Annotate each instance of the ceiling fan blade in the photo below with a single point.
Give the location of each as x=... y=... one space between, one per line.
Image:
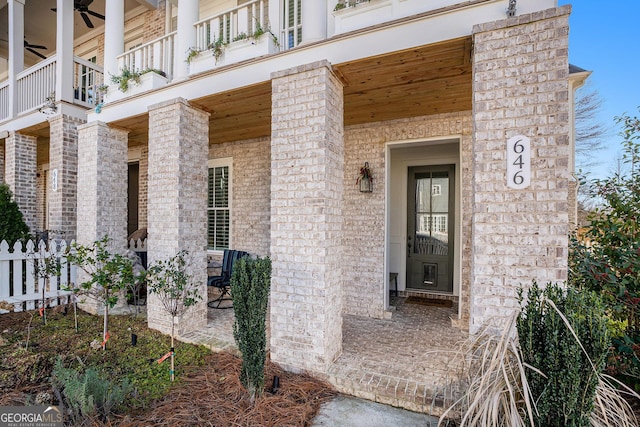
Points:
x=86 y=19
x=54 y=9
x=36 y=53
x=96 y=14
x=84 y=2
x=36 y=46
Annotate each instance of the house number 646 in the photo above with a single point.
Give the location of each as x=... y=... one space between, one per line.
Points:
x=518 y=162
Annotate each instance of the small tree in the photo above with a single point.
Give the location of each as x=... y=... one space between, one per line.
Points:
x=176 y=289
x=108 y=273
x=250 y=282
x=45 y=266
x=12 y=225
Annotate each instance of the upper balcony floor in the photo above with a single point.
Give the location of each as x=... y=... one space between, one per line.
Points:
x=92 y=52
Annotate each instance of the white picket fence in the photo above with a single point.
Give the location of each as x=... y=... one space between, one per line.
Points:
x=20 y=289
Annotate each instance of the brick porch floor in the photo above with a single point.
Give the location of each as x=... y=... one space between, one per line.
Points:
x=402 y=361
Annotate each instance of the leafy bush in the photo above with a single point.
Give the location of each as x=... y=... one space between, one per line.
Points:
x=607 y=258
x=12 y=225
x=569 y=365
x=87 y=394
x=250 y=282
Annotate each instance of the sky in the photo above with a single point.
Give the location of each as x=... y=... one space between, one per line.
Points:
x=604 y=38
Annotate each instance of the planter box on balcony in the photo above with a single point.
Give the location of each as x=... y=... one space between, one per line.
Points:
x=148 y=81
x=233 y=52
x=362 y=15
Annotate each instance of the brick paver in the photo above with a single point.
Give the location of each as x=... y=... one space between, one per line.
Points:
x=406 y=361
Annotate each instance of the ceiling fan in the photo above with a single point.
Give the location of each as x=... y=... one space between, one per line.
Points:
x=28 y=46
x=82 y=6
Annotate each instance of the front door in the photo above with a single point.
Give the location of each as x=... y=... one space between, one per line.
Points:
x=430 y=220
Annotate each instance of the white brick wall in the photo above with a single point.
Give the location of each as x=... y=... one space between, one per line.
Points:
x=102 y=184
x=307 y=155
x=520 y=87
x=251 y=203
x=177 y=200
x=63 y=157
x=20 y=174
x=102 y=190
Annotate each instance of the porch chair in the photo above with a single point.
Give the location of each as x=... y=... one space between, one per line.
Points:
x=223 y=281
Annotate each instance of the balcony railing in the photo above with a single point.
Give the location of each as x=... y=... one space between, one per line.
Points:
x=4 y=100
x=35 y=84
x=156 y=54
x=234 y=24
x=88 y=77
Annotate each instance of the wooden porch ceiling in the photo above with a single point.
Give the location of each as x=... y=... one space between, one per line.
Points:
x=427 y=80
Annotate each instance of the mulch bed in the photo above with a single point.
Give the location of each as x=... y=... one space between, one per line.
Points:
x=214 y=396
x=210 y=395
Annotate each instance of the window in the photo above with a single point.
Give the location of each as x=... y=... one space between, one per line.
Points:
x=291 y=23
x=219 y=204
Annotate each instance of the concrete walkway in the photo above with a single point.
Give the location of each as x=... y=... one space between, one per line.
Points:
x=346 y=411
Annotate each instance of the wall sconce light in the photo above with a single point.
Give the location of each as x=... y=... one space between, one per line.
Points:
x=365 y=179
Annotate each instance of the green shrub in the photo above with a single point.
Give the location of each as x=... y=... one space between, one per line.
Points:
x=87 y=394
x=250 y=282
x=570 y=364
x=12 y=225
x=607 y=259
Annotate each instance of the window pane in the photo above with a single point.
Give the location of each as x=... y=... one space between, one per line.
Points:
x=218 y=214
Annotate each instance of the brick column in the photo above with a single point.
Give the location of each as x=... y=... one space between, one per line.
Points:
x=63 y=162
x=102 y=184
x=20 y=174
x=102 y=189
x=520 y=87
x=177 y=200
x=307 y=186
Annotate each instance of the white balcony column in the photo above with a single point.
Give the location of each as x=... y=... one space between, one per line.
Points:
x=64 y=50
x=16 y=50
x=113 y=36
x=188 y=13
x=314 y=20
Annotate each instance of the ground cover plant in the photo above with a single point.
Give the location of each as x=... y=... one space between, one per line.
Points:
x=207 y=391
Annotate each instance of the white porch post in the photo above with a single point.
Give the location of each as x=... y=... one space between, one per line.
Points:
x=188 y=13
x=16 y=50
x=314 y=20
x=113 y=36
x=64 y=50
